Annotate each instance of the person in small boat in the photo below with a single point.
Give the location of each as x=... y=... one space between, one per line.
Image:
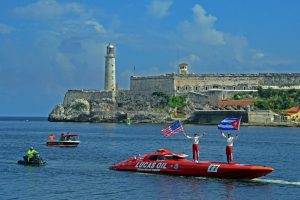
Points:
x=62 y=137
x=196 y=139
x=30 y=153
x=229 y=146
x=51 y=137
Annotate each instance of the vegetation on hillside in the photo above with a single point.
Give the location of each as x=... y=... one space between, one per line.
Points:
x=79 y=105
x=272 y=99
x=175 y=102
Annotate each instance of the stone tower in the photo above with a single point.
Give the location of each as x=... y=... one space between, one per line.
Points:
x=110 y=69
x=183 y=68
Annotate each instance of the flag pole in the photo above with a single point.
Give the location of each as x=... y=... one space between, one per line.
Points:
x=182 y=127
x=240 y=123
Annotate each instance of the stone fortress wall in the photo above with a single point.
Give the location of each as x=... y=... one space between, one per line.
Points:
x=90 y=95
x=184 y=83
x=120 y=97
x=200 y=87
x=150 y=84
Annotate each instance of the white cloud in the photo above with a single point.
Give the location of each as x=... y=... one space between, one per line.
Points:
x=159 y=8
x=64 y=62
x=219 y=51
x=66 y=19
x=258 y=55
x=190 y=59
x=193 y=58
x=201 y=29
x=46 y=9
x=69 y=40
x=98 y=27
x=5 y=29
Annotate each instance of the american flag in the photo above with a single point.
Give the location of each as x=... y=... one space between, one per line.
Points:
x=174 y=128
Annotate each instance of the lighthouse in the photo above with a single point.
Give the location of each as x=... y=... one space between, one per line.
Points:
x=110 y=69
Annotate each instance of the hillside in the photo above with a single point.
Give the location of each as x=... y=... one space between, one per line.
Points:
x=272 y=99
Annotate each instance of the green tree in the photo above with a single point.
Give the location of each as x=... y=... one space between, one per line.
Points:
x=176 y=101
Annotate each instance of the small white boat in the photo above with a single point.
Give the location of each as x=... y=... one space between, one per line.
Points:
x=65 y=140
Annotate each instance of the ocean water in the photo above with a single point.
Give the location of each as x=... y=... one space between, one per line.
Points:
x=83 y=172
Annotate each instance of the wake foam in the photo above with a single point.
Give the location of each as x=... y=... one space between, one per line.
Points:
x=281 y=182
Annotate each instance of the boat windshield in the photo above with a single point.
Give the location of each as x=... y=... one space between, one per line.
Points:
x=157 y=157
x=68 y=138
x=164 y=157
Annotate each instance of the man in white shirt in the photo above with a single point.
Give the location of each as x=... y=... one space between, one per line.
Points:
x=196 y=140
x=229 y=146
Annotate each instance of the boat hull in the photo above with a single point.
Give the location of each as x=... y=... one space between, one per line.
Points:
x=63 y=143
x=184 y=167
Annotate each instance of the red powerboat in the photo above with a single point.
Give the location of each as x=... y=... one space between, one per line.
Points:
x=165 y=162
x=65 y=140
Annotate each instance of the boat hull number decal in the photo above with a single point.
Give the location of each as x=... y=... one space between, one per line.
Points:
x=213 y=168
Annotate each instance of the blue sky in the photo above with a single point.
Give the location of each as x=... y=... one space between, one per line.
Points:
x=50 y=46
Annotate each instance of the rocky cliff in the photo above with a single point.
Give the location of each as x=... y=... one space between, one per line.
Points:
x=97 y=106
x=140 y=109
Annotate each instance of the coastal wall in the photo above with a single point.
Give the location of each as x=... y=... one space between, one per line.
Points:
x=215 y=116
x=148 y=85
x=203 y=82
x=198 y=98
x=262 y=116
x=281 y=80
x=231 y=83
x=90 y=95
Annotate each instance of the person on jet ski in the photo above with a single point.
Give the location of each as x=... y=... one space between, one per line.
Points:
x=31 y=152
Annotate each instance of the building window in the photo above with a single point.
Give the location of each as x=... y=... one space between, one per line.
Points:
x=224 y=88
x=186 y=88
x=205 y=87
x=178 y=87
x=244 y=88
x=196 y=88
x=233 y=88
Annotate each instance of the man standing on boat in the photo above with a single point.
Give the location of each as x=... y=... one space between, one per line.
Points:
x=229 y=146
x=196 y=140
x=229 y=124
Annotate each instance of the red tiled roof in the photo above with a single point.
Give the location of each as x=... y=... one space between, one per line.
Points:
x=235 y=102
x=291 y=110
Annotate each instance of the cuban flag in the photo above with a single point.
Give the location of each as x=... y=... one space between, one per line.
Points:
x=174 y=128
x=230 y=124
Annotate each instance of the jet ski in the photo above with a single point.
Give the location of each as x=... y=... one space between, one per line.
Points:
x=36 y=160
x=166 y=162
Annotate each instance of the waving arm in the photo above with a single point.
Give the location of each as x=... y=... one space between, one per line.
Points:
x=223 y=134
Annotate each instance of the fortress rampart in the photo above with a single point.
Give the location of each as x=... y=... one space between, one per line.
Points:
x=150 y=84
x=200 y=87
x=90 y=95
x=184 y=83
